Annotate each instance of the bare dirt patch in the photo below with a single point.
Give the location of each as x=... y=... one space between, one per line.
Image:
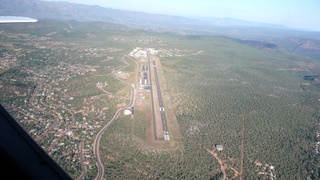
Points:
x=169 y=70
x=223 y=166
x=123 y=75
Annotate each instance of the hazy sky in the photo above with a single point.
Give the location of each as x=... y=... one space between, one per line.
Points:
x=303 y=14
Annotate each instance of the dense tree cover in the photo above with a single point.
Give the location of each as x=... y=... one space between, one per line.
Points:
x=212 y=93
x=226 y=83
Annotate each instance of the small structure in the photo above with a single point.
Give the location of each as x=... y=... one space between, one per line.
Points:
x=127 y=112
x=219 y=147
x=69 y=133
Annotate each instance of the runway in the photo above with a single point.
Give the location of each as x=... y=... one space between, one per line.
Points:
x=166 y=136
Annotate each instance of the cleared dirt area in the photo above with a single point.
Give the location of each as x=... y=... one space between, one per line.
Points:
x=223 y=165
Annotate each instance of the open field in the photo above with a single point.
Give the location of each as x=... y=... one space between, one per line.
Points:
x=2 y=70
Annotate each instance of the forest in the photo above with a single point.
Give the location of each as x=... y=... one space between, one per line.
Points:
x=247 y=99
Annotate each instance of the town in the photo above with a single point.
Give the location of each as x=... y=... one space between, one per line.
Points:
x=64 y=93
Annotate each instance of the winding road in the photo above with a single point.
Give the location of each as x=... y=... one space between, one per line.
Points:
x=96 y=142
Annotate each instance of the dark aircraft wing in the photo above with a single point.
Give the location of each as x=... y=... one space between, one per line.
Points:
x=21 y=157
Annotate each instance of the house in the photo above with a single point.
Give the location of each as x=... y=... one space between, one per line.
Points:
x=127 y=112
x=219 y=147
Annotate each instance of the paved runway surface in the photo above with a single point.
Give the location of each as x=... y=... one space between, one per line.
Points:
x=162 y=111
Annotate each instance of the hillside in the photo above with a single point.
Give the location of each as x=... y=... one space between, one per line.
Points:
x=294 y=41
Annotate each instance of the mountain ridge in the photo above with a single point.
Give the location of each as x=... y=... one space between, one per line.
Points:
x=71 y=11
x=308 y=43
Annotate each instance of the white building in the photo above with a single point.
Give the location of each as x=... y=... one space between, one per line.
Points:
x=127 y=112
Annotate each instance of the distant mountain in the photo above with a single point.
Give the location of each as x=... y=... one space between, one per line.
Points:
x=228 y=22
x=70 y=11
x=282 y=36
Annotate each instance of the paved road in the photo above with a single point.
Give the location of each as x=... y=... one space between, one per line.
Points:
x=96 y=142
x=162 y=111
x=83 y=167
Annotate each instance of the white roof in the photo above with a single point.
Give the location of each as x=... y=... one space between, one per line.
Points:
x=127 y=112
